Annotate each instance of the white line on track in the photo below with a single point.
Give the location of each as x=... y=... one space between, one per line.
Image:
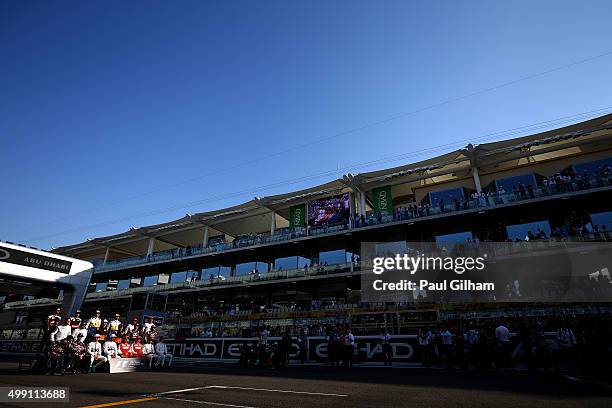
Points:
x=229 y=387
x=179 y=391
x=218 y=404
x=270 y=390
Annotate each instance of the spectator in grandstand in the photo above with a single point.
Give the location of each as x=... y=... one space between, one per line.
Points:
x=148 y=352
x=94 y=323
x=75 y=321
x=163 y=357
x=387 y=350
x=115 y=326
x=82 y=331
x=109 y=348
x=94 y=349
x=125 y=348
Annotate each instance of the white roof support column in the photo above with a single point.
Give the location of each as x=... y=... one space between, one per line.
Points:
x=151 y=246
x=205 y=238
x=273 y=223
x=362 y=203
x=106 y=255
x=476 y=179
x=472 y=153
x=349 y=181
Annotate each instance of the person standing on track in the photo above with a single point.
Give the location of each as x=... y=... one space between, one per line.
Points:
x=132 y=330
x=115 y=326
x=148 y=352
x=75 y=321
x=148 y=327
x=94 y=323
x=62 y=331
x=94 y=348
x=502 y=334
x=387 y=350
x=162 y=354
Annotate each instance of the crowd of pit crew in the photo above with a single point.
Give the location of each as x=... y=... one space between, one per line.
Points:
x=75 y=345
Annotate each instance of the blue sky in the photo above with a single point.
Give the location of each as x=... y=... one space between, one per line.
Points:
x=103 y=101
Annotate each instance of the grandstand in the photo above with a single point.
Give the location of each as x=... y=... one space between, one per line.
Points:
x=294 y=259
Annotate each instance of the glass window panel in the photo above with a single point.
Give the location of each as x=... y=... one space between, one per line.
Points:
x=178 y=277
x=447 y=195
x=208 y=272
x=262 y=267
x=192 y=276
x=520 y=231
x=455 y=238
x=225 y=271
x=101 y=287
x=123 y=284
x=602 y=219
x=150 y=280
x=287 y=263
x=593 y=168
x=509 y=183
x=301 y=261
x=398 y=247
x=332 y=257
x=244 y=268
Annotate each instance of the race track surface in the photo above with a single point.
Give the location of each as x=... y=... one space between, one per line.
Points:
x=316 y=387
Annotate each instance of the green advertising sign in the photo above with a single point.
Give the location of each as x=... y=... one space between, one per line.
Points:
x=297 y=216
x=383 y=200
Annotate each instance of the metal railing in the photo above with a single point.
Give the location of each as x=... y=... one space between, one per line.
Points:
x=232 y=280
x=401 y=214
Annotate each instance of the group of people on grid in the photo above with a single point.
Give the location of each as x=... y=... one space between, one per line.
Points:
x=269 y=355
x=75 y=345
x=491 y=345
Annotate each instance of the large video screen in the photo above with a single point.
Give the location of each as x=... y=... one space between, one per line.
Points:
x=331 y=210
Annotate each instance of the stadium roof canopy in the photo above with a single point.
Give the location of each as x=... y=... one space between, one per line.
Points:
x=254 y=216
